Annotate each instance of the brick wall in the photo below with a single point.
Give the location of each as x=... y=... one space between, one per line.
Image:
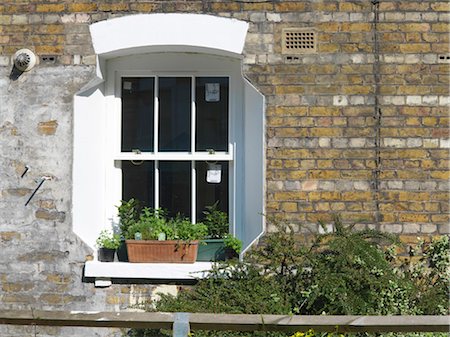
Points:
x=340 y=138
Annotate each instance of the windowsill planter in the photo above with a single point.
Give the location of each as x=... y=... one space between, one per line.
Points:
x=169 y=251
x=211 y=250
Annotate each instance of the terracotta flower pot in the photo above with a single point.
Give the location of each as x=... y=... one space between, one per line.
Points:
x=170 y=251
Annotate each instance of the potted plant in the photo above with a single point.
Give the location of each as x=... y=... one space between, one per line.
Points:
x=107 y=243
x=218 y=245
x=128 y=212
x=154 y=237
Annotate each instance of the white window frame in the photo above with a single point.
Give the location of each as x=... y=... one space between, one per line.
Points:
x=156 y=156
x=117 y=46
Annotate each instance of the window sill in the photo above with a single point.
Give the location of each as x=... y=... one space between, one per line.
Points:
x=103 y=272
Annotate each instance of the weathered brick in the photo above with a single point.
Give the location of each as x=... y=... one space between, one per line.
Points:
x=414 y=27
x=45 y=214
x=143 y=7
x=46 y=8
x=440 y=6
x=47 y=128
x=290 y=6
x=289 y=207
x=9 y=236
x=225 y=7
x=82 y=7
x=113 y=7
x=440 y=175
x=413 y=217
x=324 y=6
x=324 y=174
x=356 y=27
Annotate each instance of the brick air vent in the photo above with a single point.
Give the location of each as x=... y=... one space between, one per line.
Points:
x=444 y=58
x=299 y=41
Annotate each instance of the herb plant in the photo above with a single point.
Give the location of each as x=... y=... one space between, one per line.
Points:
x=107 y=239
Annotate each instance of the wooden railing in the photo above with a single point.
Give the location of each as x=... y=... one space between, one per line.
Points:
x=181 y=323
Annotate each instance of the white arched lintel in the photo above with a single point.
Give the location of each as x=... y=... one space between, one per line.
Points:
x=124 y=35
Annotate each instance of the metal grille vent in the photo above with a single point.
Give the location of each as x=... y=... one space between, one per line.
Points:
x=299 y=41
x=24 y=59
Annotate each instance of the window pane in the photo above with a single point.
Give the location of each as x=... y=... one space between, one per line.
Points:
x=137 y=113
x=174 y=114
x=138 y=182
x=209 y=193
x=175 y=187
x=211 y=100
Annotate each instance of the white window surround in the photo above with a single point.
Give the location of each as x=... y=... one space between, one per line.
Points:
x=94 y=196
x=143 y=33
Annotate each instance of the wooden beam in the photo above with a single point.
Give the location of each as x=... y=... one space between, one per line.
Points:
x=221 y=322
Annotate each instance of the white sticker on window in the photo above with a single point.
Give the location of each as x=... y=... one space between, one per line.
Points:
x=127 y=85
x=214 y=174
x=212 y=92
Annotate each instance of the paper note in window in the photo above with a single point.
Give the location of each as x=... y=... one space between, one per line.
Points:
x=127 y=85
x=214 y=174
x=212 y=92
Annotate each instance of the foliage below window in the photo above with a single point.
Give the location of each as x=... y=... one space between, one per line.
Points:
x=346 y=272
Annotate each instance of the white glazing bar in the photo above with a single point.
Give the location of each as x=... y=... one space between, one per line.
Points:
x=174 y=156
x=193 y=114
x=156 y=184
x=155 y=140
x=156 y=116
x=193 y=130
x=193 y=193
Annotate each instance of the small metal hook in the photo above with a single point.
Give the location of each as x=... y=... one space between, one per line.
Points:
x=25 y=171
x=44 y=178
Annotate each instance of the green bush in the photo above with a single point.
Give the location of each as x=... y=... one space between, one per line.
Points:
x=347 y=272
x=430 y=276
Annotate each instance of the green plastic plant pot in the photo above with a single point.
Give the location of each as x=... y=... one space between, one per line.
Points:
x=211 y=250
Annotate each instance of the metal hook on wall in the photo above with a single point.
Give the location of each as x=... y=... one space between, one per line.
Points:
x=25 y=171
x=37 y=188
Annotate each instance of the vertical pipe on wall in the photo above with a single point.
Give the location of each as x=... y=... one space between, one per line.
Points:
x=377 y=111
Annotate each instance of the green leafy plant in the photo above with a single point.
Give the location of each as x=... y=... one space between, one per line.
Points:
x=129 y=213
x=151 y=223
x=233 y=243
x=216 y=221
x=184 y=230
x=107 y=239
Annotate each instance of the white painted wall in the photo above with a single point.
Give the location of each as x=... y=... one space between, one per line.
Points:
x=88 y=200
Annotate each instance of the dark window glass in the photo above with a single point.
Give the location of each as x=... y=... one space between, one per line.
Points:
x=138 y=181
x=174 y=114
x=210 y=193
x=211 y=119
x=137 y=113
x=175 y=187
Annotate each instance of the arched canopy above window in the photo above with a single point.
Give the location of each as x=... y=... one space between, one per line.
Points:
x=144 y=33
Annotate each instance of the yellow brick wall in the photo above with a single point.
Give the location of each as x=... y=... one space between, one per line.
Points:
x=321 y=120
